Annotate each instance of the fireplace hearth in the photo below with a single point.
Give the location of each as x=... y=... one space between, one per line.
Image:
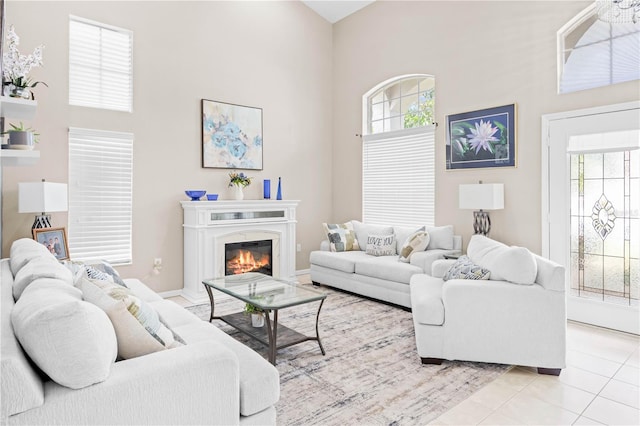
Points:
x=248 y=256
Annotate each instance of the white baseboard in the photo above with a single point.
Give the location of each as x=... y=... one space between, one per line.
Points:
x=303 y=272
x=170 y=293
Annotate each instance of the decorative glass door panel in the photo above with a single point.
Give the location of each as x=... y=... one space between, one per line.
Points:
x=605 y=226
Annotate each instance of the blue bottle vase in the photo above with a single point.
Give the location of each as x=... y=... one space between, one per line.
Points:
x=279 y=194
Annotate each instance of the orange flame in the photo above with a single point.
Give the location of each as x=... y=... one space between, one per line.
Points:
x=245 y=261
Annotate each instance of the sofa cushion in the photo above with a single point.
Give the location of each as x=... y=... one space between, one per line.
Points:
x=440 y=237
x=363 y=231
x=25 y=249
x=416 y=242
x=513 y=264
x=465 y=269
x=381 y=245
x=137 y=325
x=426 y=299
x=341 y=236
x=345 y=261
x=39 y=267
x=71 y=341
x=386 y=268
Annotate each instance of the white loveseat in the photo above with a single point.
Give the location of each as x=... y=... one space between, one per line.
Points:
x=517 y=317
x=211 y=379
x=382 y=278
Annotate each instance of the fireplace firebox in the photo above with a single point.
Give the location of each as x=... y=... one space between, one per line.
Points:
x=248 y=256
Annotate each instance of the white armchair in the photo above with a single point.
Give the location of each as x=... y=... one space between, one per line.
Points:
x=495 y=320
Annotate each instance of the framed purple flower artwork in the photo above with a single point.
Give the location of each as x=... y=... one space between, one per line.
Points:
x=483 y=138
x=231 y=136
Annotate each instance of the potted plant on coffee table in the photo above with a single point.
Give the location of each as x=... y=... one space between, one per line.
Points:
x=257 y=314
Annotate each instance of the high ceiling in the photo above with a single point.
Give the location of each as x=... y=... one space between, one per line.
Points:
x=335 y=10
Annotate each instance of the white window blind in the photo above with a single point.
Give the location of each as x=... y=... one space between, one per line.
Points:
x=100 y=65
x=398 y=179
x=100 y=195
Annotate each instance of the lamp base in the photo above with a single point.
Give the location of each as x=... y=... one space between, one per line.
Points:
x=42 y=221
x=481 y=222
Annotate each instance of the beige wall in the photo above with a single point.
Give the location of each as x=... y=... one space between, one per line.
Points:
x=309 y=78
x=274 y=55
x=482 y=54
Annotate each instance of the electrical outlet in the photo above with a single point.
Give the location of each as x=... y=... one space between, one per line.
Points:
x=299 y=247
x=157 y=261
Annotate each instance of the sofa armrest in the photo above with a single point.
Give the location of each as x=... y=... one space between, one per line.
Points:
x=424 y=259
x=440 y=267
x=193 y=384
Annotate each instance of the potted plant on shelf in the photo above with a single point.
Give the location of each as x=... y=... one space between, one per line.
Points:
x=16 y=67
x=21 y=137
x=257 y=314
x=238 y=181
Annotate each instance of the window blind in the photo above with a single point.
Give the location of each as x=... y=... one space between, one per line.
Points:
x=398 y=179
x=100 y=195
x=100 y=65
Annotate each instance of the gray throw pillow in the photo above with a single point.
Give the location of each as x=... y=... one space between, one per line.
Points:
x=465 y=269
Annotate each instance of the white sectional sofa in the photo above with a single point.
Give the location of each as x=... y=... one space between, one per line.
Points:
x=517 y=316
x=50 y=331
x=383 y=278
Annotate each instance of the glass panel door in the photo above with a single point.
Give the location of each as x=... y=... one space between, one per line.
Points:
x=592 y=192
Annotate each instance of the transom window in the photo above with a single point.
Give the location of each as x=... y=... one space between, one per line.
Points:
x=401 y=104
x=593 y=53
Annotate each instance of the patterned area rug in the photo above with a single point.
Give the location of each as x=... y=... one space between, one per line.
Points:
x=371 y=373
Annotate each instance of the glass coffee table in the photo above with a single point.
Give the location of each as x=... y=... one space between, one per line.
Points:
x=270 y=295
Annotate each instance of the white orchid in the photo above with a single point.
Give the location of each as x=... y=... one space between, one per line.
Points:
x=15 y=66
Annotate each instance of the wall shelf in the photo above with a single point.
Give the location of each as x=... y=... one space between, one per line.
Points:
x=16 y=108
x=16 y=157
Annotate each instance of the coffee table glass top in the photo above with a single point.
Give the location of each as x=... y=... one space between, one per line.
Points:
x=263 y=291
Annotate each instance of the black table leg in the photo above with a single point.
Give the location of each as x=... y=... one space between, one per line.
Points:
x=317 y=332
x=210 y=293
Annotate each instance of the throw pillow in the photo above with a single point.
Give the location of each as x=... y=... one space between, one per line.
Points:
x=402 y=233
x=465 y=269
x=341 y=237
x=39 y=267
x=381 y=245
x=514 y=264
x=414 y=243
x=106 y=272
x=137 y=325
x=363 y=231
x=25 y=249
x=70 y=340
x=441 y=237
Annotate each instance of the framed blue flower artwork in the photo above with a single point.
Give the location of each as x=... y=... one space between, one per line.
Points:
x=231 y=136
x=483 y=138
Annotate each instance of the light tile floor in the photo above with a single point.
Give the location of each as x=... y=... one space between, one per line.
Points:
x=599 y=386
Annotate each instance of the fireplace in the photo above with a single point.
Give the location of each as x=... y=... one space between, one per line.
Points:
x=215 y=231
x=248 y=256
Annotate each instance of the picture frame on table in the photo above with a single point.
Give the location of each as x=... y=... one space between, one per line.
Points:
x=54 y=239
x=231 y=136
x=482 y=138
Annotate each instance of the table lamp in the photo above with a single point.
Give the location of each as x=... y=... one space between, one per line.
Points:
x=41 y=197
x=481 y=197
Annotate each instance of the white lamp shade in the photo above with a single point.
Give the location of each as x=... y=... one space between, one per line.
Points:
x=481 y=196
x=41 y=197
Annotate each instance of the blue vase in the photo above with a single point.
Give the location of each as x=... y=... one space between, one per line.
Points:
x=266 y=189
x=279 y=195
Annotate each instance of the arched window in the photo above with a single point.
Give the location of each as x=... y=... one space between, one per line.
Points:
x=398 y=179
x=593 y=53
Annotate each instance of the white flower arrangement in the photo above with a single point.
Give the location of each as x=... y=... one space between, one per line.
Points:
x=15 y=66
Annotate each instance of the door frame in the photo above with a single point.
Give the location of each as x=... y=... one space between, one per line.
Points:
x=627 y=320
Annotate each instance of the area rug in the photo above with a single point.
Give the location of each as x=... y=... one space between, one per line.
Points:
x=371 y=374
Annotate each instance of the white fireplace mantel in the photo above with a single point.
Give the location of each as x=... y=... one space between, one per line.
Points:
x=208 y=225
